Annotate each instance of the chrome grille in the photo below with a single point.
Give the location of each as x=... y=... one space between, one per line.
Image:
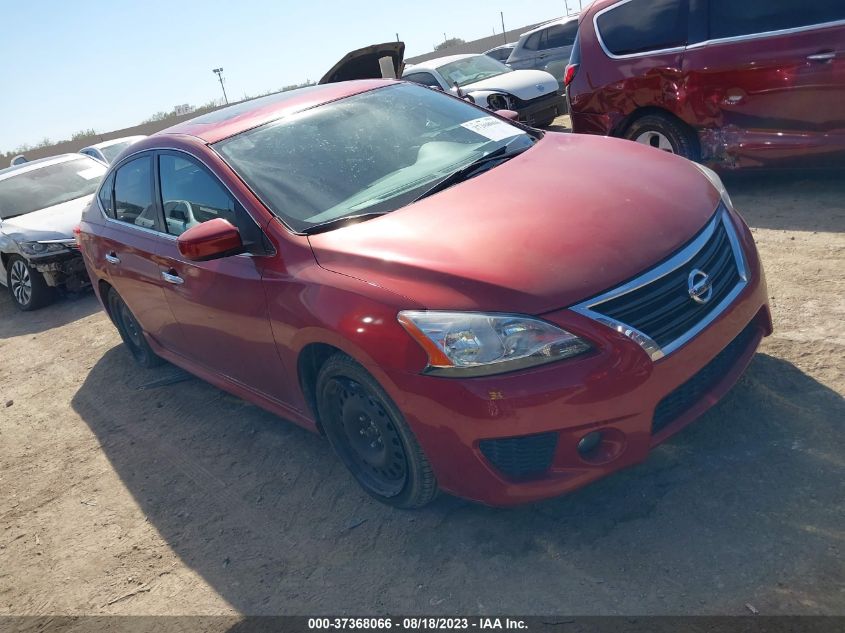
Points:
x=658 y=309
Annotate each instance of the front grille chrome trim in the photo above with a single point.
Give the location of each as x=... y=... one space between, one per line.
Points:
x=655 y=351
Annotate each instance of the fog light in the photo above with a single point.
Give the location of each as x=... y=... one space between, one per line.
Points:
x=589 y=442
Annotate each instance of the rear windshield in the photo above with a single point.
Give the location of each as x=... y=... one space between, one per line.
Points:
x=50 y=185
x=111 y=151
x=639 y=26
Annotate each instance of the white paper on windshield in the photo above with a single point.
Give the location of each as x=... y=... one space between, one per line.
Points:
x=492 y=128
x=91 y=173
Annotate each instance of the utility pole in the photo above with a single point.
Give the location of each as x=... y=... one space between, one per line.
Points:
x=219 y=73
x=504 y=32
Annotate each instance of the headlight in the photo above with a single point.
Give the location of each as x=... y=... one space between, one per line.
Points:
x=478 y=344
x=498 y=102
x=40 y=248
x=713 y=177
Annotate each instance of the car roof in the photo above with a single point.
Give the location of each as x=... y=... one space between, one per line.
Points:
x=545 y=25
x=495 y=48
x=234 y=119
x=115 y=141
x=437 y=62
x=32 y=165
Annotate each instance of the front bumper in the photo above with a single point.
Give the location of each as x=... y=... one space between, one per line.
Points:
x=463 y=425
x=66 y=269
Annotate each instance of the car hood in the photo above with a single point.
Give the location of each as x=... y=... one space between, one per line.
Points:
x=53 y=223
x=564 y=221
x=364 y=63
x=525 y=84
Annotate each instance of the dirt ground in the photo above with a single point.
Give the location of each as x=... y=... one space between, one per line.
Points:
x=182 y=499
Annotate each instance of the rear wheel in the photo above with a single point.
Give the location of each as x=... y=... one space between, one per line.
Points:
x=130 y=331
x=664 y=133
x=370 y=436
x=27 y=286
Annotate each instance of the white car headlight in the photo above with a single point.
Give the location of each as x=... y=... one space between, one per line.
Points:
x=478 y=344
x=42 y=248
x=713 y=177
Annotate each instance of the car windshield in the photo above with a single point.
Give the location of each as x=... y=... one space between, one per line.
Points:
x=111 y=151
x=373 y=152
x=472 y=69
x=34 y=189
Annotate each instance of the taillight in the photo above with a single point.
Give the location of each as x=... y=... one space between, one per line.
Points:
x=569 y=75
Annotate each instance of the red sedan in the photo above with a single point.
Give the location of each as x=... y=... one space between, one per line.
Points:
x=458 y=302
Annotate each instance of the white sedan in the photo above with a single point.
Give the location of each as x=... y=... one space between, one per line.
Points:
x=534 y=94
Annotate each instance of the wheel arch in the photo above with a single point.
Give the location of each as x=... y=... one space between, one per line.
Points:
x=624 y=124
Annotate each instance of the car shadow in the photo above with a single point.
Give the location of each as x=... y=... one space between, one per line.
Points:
x=743 y=506
x=801 y=200
x=67 y=308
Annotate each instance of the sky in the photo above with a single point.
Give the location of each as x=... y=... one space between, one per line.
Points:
x=109 y=64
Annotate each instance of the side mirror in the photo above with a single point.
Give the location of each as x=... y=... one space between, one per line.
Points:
x=510 y=115
x=210 y=240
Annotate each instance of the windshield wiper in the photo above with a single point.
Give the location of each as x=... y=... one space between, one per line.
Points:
x=466 y=172
x=328 y=225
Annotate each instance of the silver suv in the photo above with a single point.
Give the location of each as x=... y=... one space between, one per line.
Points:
x=547 y=47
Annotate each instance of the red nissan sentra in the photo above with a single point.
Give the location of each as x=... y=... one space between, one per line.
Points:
x=456 y=301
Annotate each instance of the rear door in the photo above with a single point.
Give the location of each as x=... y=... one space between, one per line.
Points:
x=131 y=247
x=769 y=81
x=220 y=304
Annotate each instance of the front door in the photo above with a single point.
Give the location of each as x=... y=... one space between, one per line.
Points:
x=220 y=304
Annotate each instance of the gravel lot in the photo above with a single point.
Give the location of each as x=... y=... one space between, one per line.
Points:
x=184 y=500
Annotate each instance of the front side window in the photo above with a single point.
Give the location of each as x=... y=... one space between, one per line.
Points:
x=729 y=18
x=640 y=26
x=133 y=193
x=33 y=189
x=190 y=195
x=472 y=69
x=373 y=152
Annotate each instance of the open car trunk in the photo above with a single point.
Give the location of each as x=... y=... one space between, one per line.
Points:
x=378 y=61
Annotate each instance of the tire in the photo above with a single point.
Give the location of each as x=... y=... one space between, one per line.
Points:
x=369 y=434
x=545 y=122
x=131 y=332
x=666 y=133
x=27 y=286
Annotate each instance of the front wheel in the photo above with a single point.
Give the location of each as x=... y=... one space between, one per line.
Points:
x=666 y=134
x=27 y=286
x=370 y=436
x=130 y=331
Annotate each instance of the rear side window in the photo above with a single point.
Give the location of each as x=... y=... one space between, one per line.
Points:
x=106 y=196
x=561 y=35
x=640 y=26
x=133 y=193
x=729 y=18
x=534 y=42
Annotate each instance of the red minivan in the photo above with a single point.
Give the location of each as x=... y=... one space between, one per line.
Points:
x=732 y=83
x=457 y=301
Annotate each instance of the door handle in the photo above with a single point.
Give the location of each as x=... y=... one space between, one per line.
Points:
x=172 y=278
x=112 y=258
x=822 y=57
